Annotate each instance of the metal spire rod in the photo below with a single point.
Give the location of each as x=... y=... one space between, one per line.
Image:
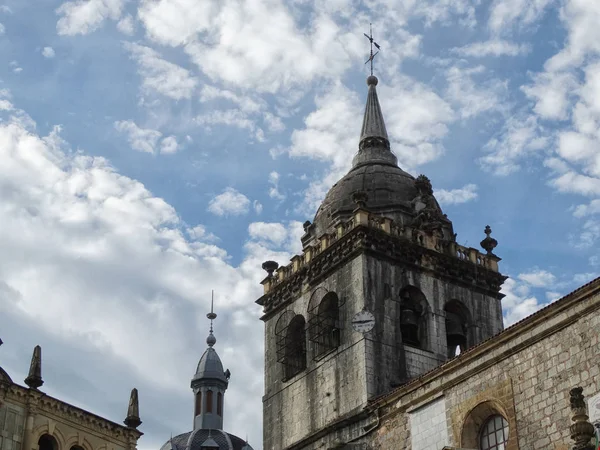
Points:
x=373 y=43
x=211 y=315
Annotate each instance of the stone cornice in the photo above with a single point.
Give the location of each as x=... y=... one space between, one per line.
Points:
x=37 y=402
x=367 y=233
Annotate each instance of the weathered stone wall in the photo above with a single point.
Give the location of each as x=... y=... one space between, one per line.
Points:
x=524 y=374
x=392 y=362
x=331 y=386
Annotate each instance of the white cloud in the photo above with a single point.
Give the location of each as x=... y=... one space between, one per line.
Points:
x=517 y=303
x=274 y=233
x=86 y=16
x=169 y=145
x=506 y=13
x=520 y=137
x=583 y=278
x=493 y=47
x=48 y=52
x=551 y=94
x=456 y=196
x=160 y=76
x=230 y=117
x=126 y=25
x=538 y=278
x=587 y=210
x=227 y=40
x=125 y=285
x=258 y=207
x=2 y=29
x=274 y=192
x=274 y=123
x=474 y=97
x=140 y=139
x=588 y=236
x=246 y=103
x=229 y=202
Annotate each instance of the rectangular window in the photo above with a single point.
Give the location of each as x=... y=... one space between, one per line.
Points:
x=209 y=401
x=220 y=404
x=198 y=403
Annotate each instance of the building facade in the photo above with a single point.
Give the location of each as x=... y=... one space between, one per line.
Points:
x=382 y=306
x=32 y=420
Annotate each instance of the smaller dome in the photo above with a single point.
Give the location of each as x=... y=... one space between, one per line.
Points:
x=210 y=367
x=193 y=440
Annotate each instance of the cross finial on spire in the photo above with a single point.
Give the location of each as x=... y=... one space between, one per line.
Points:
x=373 y=43
x=211 y=340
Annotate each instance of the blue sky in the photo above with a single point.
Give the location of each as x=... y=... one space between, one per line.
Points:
x=153 y=150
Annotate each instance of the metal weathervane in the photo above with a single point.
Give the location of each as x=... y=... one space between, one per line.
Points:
x=373 y=43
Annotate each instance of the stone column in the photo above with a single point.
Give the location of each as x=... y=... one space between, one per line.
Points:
x=29 y=420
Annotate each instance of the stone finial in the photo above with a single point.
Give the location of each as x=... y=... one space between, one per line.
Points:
x=489 y=243
x=306 y=225
x=423 y=185
x=360 y=198
x=34 y=379
x=582 y=430
x=270 y=267
x=133 y=411
x=1 y=342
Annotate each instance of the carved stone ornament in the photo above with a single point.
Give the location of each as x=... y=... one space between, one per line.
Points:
x=270 y=267
x=489 y=243
x=428 y=215
x=582 y=430
x=360 y=198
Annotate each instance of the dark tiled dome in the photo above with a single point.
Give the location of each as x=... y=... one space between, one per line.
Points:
x=193 y=440
x=389 y=189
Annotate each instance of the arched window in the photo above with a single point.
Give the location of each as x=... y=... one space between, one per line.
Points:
x=47 y=442
x=413 y=317
x=76 y=447
x=494 y=434
x=457 y=327
x=209 y=401
x=198 y=407
x=295 y=347
x=324 y=322
x=219 y=404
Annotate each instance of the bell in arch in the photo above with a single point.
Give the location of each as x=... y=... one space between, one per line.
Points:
x=409 y=325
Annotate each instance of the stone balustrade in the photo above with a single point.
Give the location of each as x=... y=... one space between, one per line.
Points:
x=366 y=219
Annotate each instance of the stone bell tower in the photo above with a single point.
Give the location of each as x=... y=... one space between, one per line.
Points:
x=381 y=293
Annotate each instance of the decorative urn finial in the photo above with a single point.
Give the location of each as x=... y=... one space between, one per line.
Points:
x=133 y=411
x=582 y=431
x=34 y=379
x=489 y=243
x=360 y=198
x=270 y=267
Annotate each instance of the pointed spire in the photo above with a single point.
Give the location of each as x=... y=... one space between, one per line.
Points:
x=34 y=379
x=211 y=339
x=133 y=411
x=374 y=145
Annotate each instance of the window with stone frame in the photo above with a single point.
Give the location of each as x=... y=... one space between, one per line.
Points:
x=47 y=442
x=494 y=433
x=295 y=347
x=324 y=323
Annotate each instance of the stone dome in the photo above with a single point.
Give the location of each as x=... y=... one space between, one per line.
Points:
x=389 y=190
x=193 y=440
